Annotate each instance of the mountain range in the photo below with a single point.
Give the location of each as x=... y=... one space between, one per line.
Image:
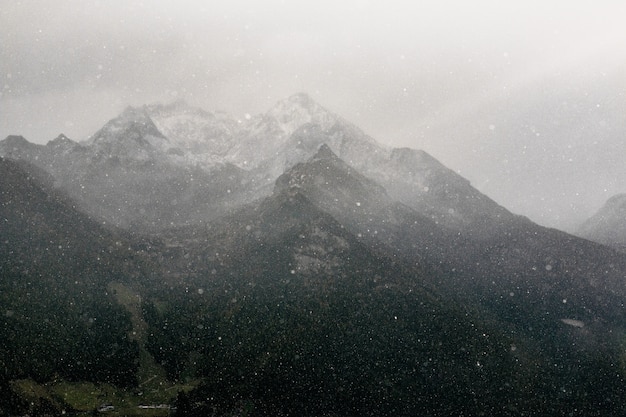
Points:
x=288 y=263
x=159 y=166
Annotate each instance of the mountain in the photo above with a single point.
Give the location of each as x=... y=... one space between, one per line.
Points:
x=155 y=166
x=294 y=266
x=329 y=253
x=295 y=128
x=132 y=135
x=522 y=258
x=608 y=225
x=129 y=175
x=17 y=147
x=292 y=313
x=205 y=136
x=59 y=318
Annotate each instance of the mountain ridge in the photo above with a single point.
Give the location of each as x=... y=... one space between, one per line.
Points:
x=291 y=132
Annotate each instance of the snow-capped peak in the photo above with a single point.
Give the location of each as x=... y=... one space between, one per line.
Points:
x=300 y=109
x=62 y=144
x=133 y=123
x=202 y=133
x=131 y=135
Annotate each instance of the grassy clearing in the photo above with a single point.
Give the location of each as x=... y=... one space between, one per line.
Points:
x=153 y=387
x=87 y=397
x=151 y=377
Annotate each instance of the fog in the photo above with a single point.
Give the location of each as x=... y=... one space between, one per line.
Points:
x=526 y=100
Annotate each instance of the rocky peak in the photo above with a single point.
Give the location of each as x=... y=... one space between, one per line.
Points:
x=16 y=146
x=61 y=141
x=15 y=140
x=193 y=129
x=298 y=110
x=332 y=183
x=133 y=123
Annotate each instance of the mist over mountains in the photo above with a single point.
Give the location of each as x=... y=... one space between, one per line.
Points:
x=130 y=172
x=287 y=263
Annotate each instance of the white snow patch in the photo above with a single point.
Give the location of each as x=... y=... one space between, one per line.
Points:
x=573 y=323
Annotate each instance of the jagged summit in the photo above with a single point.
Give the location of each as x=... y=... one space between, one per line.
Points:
x=204 y=134
x=132 y=135
x=298 y=110
x=61 y=137
x=61 y=140
x=330 y=182
x=176 y=137
x=132 y=124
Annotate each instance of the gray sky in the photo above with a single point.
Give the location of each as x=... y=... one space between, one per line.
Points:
x=526 y=99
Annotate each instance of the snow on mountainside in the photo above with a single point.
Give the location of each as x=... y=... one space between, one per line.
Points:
x=292 y=131
x=132 y=135
x=300 y=109
x=244 y=158
x=195 y=130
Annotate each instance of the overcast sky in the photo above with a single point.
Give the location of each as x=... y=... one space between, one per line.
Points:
x=526 y=99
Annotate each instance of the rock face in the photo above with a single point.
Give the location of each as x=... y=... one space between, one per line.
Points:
x=608 y=225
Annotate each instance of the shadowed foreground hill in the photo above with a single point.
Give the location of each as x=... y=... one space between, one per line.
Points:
x=287 y=311
x=302 y=319
x=58 y=319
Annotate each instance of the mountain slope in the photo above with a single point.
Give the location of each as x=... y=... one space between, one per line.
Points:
x=540 y=267
x=299 y=275
x=58 y=318
x=295 y=128
x=124 y=177
x=118 y=175
x=206 y=136
x=608 y=225
x=365 y=207
x=293 y=314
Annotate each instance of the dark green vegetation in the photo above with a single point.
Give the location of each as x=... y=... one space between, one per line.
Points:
x=291 y=331
x=57 y=318
x=326 y=298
